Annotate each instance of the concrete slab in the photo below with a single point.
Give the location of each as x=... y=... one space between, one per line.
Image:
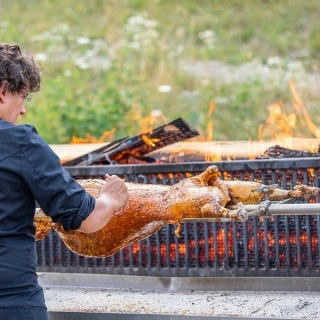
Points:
x=63 y=299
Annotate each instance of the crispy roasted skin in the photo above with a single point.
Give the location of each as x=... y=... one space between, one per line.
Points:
x=150 y=207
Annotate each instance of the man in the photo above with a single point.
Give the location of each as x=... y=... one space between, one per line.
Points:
x=29 y=172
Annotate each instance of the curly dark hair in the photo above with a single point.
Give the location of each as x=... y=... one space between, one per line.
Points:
x=18 y=69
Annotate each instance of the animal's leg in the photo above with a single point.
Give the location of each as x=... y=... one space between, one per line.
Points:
x=240 y=214
x=303 y=191
x=209 y=176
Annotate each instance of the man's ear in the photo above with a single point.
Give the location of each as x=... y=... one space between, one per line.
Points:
x=3 y=90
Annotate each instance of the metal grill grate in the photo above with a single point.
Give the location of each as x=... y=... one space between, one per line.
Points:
x=276 y=246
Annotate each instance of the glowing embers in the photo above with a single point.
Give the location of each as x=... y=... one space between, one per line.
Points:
x=287 y=243
x=275 y=243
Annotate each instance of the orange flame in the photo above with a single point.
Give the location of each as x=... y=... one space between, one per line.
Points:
x=107 y=136
x=149 y=142
x=302 y=112
x=280 y=125
x=145 y=124
x=210 y=126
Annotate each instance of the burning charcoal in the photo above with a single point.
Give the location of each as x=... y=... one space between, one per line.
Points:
x=280 y=152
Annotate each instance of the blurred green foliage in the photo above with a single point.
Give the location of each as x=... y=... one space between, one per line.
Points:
x=103 y=60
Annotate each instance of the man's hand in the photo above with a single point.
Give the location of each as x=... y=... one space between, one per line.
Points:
x=113 y=195
x=116 y=190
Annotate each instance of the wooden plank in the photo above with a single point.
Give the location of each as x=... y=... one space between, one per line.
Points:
x=197 y=150
x=228 y=150
x=68 y=152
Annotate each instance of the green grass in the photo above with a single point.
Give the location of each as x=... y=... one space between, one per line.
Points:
x=105 y=61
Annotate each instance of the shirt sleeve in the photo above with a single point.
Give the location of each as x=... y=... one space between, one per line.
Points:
x=58 y=194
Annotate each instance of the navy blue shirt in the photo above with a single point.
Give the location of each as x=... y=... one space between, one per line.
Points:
x=30 y=171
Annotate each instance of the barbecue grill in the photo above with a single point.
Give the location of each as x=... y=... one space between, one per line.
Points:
x=281 y=245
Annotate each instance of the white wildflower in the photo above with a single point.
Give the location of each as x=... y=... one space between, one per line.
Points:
x=274 y=61
x=141 y=31
x=164 y=88
x=209 y=38
x=83 y=40
x=4 y=24
x=156 y=113
x=41 y=57
x=67 y=73
x=61 y=28
x=81 y=62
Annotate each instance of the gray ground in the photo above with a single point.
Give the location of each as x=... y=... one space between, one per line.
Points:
x=135 y=299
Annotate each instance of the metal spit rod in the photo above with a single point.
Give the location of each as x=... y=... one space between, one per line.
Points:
x=284 y=209
x=268 y=209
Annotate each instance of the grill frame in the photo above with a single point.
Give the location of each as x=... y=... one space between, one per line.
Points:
x=266 y=171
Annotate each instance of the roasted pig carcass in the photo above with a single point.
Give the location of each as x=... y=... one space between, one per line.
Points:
x=150 y=207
